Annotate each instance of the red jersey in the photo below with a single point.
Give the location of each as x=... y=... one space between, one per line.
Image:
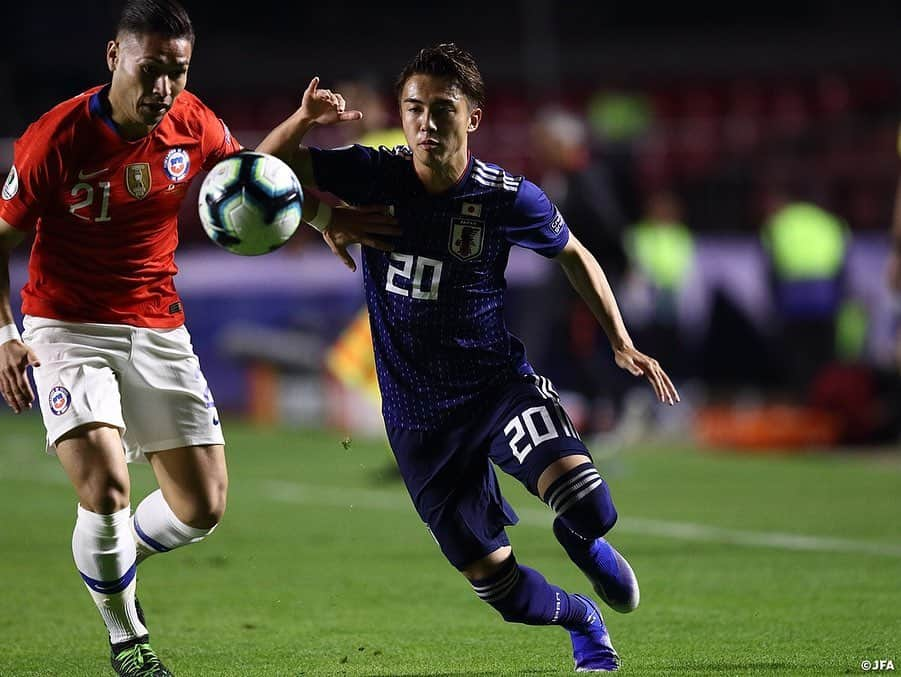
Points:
x=105 y=209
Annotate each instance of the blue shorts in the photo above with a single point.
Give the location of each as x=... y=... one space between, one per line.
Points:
x=521 y=427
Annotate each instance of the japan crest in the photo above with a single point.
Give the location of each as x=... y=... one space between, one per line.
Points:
x=137 y=179
x=466 y=238
x=176 y=164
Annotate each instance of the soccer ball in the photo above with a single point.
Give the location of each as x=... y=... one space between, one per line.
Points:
x=250 y=203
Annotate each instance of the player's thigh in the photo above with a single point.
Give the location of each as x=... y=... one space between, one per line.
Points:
x=455 y=490
x=76 y=383
x=167 y=403
x=533 y=437
x=93 y=459
x=194 y=482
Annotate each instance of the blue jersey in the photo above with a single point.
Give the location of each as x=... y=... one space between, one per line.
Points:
x=436 y=303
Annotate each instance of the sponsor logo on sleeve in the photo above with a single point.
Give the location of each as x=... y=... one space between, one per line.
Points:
x=176 y=164
x=59 y=400
x=557 y=223
x=11 y=185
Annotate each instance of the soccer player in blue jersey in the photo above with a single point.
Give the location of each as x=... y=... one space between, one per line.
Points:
x=458 y=392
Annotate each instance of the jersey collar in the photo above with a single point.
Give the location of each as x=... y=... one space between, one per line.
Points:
x=99 y=107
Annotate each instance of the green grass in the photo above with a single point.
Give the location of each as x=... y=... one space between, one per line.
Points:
x=322 y=567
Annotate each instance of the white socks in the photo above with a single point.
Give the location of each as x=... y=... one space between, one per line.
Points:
x=156 y=529
x=105 y=553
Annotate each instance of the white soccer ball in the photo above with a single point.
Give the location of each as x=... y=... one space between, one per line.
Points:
x=250 y=203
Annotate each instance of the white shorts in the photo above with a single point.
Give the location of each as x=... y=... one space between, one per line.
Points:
x=146 y=382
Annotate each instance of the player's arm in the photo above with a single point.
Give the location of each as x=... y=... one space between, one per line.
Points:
x=340 y=226
x=15 y=356
x=587 y=278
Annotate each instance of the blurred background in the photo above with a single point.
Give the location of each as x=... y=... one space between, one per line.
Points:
x=732 y=168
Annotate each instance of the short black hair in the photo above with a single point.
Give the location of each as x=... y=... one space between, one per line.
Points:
x=446 y=60
x=160 y=17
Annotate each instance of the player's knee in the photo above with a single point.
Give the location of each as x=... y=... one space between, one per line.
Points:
x=582 y=502
x=105 y=497
x=206 y=509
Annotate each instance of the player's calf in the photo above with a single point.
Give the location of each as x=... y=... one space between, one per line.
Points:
x=585 y=513
x=522 y=595
x=157 y=529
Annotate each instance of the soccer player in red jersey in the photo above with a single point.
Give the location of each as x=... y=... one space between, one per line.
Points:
x=100 y=178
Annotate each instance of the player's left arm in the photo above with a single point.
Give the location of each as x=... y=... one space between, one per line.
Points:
x=587 y=278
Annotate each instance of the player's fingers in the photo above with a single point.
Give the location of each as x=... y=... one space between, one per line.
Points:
x=657 y=384
x=348 y=260
x=311 y=88
x=670 y=388
x=33 y=359
x=630 y=366
x=350 y=115
x=340 y=102
x=341 y=252
x=22 y=385
x=9 y=395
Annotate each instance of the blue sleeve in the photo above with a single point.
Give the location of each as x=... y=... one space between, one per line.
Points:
x=351 y=173
x=536 y=223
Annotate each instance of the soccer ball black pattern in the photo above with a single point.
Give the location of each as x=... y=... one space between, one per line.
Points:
x=250 y=203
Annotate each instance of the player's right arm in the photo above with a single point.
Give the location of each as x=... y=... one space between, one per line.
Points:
x=15 y=356
x=343 y=225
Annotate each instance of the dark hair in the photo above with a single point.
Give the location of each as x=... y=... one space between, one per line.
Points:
x=446 y=60
x=161 y=17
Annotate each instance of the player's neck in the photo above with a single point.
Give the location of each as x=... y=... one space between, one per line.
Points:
x=439 y=177
x=128 y=129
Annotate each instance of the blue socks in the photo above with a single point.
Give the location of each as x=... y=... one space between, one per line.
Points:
x=522 y=595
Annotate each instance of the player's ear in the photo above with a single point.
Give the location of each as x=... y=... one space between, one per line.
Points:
x=475 y=117
x=112 y=54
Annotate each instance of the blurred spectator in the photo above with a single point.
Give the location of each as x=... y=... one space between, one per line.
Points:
x=807 y=249
x=584 y=190
x=375 y=128
x=661 y=252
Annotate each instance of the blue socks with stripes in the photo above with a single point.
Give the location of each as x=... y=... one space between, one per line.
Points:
x=157 y=529
x=582 y=502
x=522 y=595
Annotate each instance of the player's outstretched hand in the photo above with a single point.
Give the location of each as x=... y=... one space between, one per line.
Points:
x=15 y=357
x=369 y=226
x=325 y=107
x=639 y=364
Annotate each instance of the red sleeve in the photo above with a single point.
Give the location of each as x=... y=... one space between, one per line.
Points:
x=218 y=142
x=26 y=189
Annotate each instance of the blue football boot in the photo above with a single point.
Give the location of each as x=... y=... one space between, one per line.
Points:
x=609 y=572
x=592 y=649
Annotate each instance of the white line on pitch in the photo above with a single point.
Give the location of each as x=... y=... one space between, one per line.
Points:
x=369 y=499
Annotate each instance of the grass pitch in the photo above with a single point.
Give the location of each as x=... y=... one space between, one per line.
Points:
x=749 y=565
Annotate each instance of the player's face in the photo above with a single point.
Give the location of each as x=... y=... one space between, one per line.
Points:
x=149 y=72
x=437 y=118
